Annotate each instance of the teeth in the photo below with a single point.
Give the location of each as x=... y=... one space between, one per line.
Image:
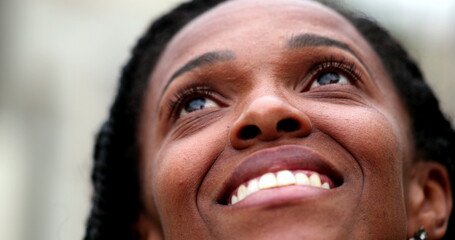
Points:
x=241 y=192
x=325 y=185
x=253 y=186
x=285 y=178
x=302 y=179
x=234 y=199
x=267 y=180
x=315 y=180
x=281 y=178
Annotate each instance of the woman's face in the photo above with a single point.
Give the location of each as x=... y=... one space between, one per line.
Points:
x=273 y=120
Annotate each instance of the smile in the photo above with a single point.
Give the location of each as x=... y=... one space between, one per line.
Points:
x=280 y=179
x=279 y=174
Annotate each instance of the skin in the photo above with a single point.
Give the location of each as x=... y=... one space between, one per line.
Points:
x=359 y=128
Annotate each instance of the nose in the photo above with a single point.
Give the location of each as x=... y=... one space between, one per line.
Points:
x=266 y=119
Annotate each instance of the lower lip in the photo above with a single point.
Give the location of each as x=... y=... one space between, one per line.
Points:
x=282 y=196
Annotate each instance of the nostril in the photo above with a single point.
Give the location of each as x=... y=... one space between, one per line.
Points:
x=288 y=125
x=249 y=132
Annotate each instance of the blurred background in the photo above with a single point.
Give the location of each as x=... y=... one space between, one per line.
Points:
x=59 y=65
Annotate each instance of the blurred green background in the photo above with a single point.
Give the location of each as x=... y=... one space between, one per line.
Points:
x=59 y=65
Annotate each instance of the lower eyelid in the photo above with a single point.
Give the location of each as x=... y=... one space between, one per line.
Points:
x=184 y=96
x=311 y=81
x=211 y=104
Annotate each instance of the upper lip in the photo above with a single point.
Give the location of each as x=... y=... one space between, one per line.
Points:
x=290 y=157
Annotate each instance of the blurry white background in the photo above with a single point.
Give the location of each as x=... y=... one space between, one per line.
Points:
x=59 y=65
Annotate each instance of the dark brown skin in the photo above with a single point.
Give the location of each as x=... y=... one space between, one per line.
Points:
x=358 y=128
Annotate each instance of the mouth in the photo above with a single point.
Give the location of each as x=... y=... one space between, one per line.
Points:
x=280 y=174
x=280 y=179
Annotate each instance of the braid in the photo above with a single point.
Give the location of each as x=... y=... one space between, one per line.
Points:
x=112 y=208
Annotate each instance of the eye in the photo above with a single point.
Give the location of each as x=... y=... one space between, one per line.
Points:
x=330 y=78
x=197 y=103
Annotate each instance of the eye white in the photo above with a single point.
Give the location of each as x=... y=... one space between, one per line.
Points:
x=330 y=78
x=196 y=104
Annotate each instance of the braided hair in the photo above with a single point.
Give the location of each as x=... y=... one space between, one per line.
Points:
x=116 y=202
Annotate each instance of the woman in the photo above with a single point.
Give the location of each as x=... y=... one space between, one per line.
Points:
x=271 y=119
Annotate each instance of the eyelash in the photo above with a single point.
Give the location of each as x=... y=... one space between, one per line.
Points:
x=340 y=64
x=176 y=104
x=194 y=90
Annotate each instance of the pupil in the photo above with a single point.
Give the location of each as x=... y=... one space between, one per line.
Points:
x=328 y=78
x=195 y=104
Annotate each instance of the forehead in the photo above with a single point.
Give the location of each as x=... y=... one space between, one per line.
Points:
x=249 y=28
x=258 y=20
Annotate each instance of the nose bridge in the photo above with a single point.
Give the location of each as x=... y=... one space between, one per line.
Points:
x=267 y=118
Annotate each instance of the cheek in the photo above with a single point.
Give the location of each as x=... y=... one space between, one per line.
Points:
x=377 y=143
x=172 y=176
x=374 y=140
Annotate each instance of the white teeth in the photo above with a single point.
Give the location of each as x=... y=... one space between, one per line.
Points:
x=253 y=186
x=315 y=180
x=278 y=179
x=241 y=192
x=234 y=199
x=285 y=178
x=302 y=179
x=267 y=180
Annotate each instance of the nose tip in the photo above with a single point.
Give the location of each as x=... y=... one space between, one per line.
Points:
x=267 y=119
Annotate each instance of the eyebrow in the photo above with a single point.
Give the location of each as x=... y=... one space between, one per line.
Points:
x=205 y=59
x=313 y=40
x=295 y=42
